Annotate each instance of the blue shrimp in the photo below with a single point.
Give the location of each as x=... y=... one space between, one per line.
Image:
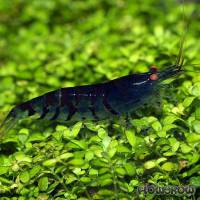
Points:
x=114 y=98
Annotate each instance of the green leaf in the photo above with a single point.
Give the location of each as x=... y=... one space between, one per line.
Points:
x=89 y=155
x=23 y=135
x=66 y=133
x=170 y=119
x=196 y=126
x=150 y=164
x=91 y=126
x=70 y=178
x=76 y=162
x=197 y=113
x=43 y=183
x=21 y=157
x=185 y=148
x=24 y=177
x=66 y=156
x=58 y=136
x=112 y=151
x=76 y=129
x=24 y=131
x=35 y=170
x=93 y=172
x=36 y=137
x=195 y=181
x=105 y=182
x=195 y=90
x=85 y=179
x=168 y=166
x=6 y=181
x=187 y=101
x=194 y=157
x=102 y=133
x=175 y=146
x=5 y=161
x=162 y=133
x=3 y=170
x=123 y=149
x=50 y=162
x=61 y=128
x=159 y=160
x=139 y=122
x=105 y=142
x=157 y=126
x=194 y=170
x=130 y=168
x=80 y=144
x=192 y=138
x=106 y=192
x=169 y=153
x=120 y=170
x=130 y=135
x=168 y=127
x=78 y=171
x=134 y=182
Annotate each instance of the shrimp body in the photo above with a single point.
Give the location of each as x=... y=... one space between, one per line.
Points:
x=95 y=102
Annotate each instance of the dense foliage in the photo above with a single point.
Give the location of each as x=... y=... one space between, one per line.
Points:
x=57 y=43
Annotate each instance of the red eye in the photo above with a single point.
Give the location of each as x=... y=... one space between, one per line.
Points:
x=153 y=69
x=153 y=77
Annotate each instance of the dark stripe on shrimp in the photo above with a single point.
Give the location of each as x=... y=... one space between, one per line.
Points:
x=92 y=107
x=77 y=99
x=109 y=107
x=27 y=106
x=51 y=99
x=72 y=111
x=57 y=111
x=56 y=114
x=45 y=110
x=66 y=101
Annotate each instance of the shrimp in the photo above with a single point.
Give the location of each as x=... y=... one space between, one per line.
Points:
x=114 y=98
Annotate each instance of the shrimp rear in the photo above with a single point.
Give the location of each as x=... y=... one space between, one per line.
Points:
x=13 y=116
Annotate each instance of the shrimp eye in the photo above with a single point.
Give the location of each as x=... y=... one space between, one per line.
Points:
x=153 y=69
x=153 y=77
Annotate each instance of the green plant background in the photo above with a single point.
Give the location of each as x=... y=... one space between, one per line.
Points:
x=49 y=44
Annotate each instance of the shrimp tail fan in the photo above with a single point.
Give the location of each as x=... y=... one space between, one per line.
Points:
x=8 y=123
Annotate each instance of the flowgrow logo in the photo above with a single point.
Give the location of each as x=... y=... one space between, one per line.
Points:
x=187 y=190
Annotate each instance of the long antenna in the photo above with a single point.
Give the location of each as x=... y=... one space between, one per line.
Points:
x=180 y=57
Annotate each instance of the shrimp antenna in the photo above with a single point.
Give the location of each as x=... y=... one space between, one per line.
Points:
x=180 y=57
